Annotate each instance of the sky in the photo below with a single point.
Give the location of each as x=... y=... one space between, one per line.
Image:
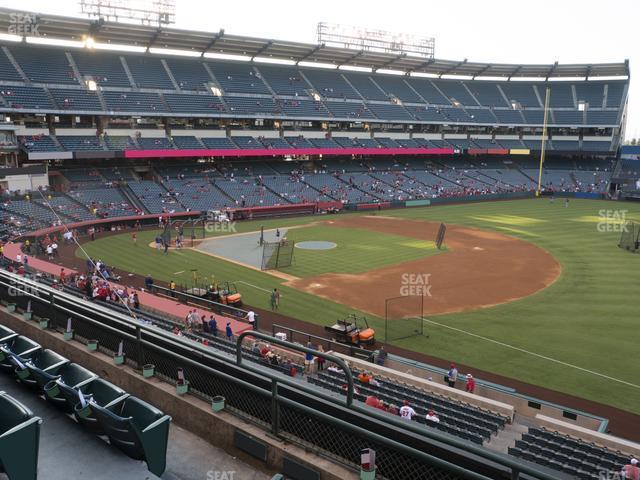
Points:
x=545 y=31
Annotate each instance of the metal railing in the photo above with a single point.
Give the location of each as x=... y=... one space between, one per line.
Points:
x=294 y=411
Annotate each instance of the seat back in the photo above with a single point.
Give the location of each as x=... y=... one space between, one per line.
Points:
x=120 y=431
x=104 y=393
x=19 y=439
x=74 y=375
x=49 y=361
x=6 y=334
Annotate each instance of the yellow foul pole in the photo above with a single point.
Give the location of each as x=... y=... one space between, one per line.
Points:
x=544 y=139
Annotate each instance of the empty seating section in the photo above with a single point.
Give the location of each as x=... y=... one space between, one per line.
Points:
x=299 y=142
x=189 y=74
x=294 y=189
x=184 y=103
x=387 y=142
x=25 y=97
x=333 y=187
x=74 y=143
x=274 y=143
x=115 y=142
x=398 y=88
x=428 y=91
x=284 y=80
x=154 y=197
x=247 y=193
x=602 y=117
x=522 y=94
x=568 y=117
x=238 y=78
x=117 y=174
x=34 y=211
x=488 y=94
x=352 y=110
x=330 y=84
x=390 y=111
x=44 y=65
x=67 y=207
x=105 y=69
x=509 y=116
x=251 y=105
x=535 y=116
x=246 y=142
x=365 y=86
x=561 y=95
x=565 y=145
x=580 y=459
x=590 y=92
x=198 y=194
x=590 y=146
x=161 y=143
x=482 y=115
x=219 y=143
x=38 y=143
x=148 y=72
x=108 y=201
x=83 y=177
x=78 y=99
x=187 y=143
x=324 y=143
x=301 y=108
x=456 y=92
x=133 y=102
x=7 y=70
x=615 y=92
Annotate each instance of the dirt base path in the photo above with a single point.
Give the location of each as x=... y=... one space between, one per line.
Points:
x=481 y=269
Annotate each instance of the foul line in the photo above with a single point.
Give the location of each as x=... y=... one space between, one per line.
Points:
x=533 y=354
x=251 y=285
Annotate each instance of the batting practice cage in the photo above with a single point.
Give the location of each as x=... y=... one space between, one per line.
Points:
x=277 y=255
x=403 y=317
x=630 y=237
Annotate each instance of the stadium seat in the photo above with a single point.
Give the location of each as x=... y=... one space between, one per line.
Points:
x=44 y=361
x=21 y=347
x=140 y=430
x=6 y=334
x=19 y=439
x=101 y=393
x=62 y=389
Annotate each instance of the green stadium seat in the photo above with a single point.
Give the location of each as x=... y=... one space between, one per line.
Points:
x=62 y=390
x=139 y=429
x=102 y=393
x=6 y=334
x=19 y=439
x=19 y=346
x=44 y=361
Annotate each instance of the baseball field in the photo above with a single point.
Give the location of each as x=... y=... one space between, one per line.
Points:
x=529 y=289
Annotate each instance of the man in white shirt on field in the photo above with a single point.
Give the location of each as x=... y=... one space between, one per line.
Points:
x=407 y=412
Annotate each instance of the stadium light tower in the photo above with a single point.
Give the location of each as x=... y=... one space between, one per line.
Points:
x=359 y=38
x=145 y=12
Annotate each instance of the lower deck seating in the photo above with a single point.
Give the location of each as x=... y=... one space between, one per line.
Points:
x=560 y=452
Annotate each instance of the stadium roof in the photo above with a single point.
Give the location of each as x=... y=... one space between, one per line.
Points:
x=74 y=28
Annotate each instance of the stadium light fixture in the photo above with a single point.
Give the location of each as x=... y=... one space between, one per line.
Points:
x=54 y=42
x=216 y=91
x=7 y=37
x=172 y=51
x=390 y=72
x=277 y=61
x=92 y=85
x=119 y=47
x=318 y=65
x=226 y=56
x=89 y=42
x=354 y=68
x=423 y=75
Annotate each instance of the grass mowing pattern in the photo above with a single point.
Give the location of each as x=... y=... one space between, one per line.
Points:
x=588 y=317
x=357 y=251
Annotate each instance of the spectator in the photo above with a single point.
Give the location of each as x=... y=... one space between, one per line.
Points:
x=148 y=282
x=407 y=412
x=371 y=401
x=470 y=385
x=631 y=471
x=452 y=375
x=308 y=358
x=432 y=417
x=393 y=410
x=381 y=356
x=364 y=377
x=229 y=332
x=136 y=301
x=251 y=318
x=213 y=326
x=63 y=276
x=320 y=360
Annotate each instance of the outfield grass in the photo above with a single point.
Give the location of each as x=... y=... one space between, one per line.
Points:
x=356 y=250
x=586 y=319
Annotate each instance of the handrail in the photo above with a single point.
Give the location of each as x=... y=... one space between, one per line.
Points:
x=350 y=348
x=299 y=348
x=117 y=317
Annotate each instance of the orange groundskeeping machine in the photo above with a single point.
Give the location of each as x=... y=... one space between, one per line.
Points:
x=347 y=331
